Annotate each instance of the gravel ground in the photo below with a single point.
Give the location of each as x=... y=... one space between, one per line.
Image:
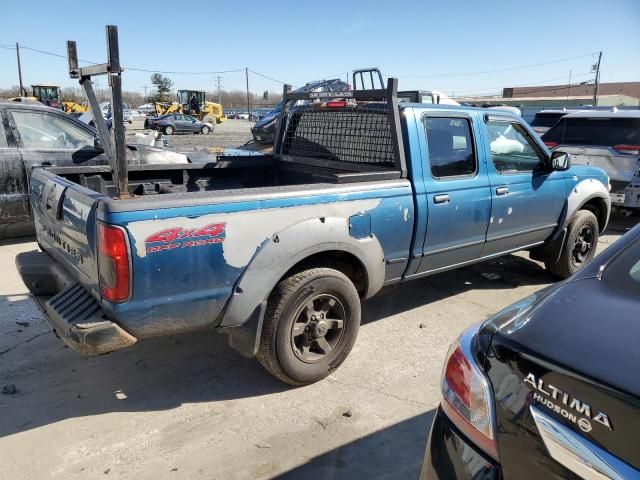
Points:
x=187 y=406
x=228 y=134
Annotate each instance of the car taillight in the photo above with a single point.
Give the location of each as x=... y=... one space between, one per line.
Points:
x=628 y=149
x=468 y=398
x=113 y=263
x=551 y=145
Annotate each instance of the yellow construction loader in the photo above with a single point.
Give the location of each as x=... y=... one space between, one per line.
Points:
x=48 y=95
x=194 y=103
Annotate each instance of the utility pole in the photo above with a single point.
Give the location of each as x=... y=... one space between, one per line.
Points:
x=22 y=90
x=569 y=86
x=145 y=92
x=597 y=85
x=219 y=85
x=246 y=72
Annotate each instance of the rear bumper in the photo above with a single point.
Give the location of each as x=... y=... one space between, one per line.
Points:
x=75 y=315
x=450 y=455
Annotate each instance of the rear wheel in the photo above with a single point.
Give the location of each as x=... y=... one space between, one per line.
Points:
x=205 y=130
x=168 y=130
x=580 y=246
x=310 y=326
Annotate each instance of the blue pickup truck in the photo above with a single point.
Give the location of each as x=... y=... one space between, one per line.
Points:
x=277 y=251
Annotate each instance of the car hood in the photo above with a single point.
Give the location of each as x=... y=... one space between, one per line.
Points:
x=272 y=116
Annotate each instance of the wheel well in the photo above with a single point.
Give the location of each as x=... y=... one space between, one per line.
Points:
x=598 y=207
x=344 y=262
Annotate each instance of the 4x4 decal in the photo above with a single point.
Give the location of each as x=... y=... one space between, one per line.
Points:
x=179 y=237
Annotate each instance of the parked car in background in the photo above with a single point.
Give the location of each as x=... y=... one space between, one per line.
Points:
x=179 y=123
x=265 y=129
x=549 y=386
x=606 y=139
x=34 y=135
x=545 y=119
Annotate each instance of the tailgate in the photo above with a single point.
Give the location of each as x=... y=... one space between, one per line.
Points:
x=65 y=221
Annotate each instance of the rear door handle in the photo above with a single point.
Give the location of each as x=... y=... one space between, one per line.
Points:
x=442 y=198
x=502 y=190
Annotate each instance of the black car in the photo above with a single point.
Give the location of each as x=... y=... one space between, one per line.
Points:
x=550 y=386
x=32 y=135
x=179 y=123
x=265 y=128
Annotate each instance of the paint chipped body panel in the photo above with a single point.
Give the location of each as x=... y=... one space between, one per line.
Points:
x=200 y=278
x=210 y=258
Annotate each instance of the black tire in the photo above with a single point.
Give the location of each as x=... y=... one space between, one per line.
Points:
x=580 y=245
x=168 y=130
x=283 y=351
x=205 y=130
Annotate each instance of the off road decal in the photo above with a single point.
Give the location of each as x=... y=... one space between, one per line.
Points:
x=178 y=237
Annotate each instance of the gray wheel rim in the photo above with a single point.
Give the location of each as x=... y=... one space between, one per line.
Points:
x=583 y=245
x=318 y=328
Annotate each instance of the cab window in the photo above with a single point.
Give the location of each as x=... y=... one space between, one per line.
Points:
x=42 y=130
x=450 y=145
x=512 y=149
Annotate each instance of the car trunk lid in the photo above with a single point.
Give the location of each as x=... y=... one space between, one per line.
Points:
x=557 y=364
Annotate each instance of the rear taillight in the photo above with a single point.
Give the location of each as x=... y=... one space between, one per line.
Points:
x=627 y=149
x=551 y=145
x=113 y=263
x=468 y=398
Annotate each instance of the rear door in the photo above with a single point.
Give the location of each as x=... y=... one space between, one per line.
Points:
x=458 y=195
x=14 y=194
x=182 y=124
x=527 y=198
x=190 y=123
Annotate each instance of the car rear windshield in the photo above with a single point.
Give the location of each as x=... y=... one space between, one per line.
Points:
x=595 y=131
x=624 y=271
x=546 y=119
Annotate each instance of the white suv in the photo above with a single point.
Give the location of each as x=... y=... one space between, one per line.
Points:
x=606 y=139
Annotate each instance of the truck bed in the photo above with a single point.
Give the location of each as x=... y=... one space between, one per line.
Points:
x=230 y=173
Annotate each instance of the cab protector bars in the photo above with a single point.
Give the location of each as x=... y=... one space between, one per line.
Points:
x=387 y=97
x=114 y=147
x=361 y=73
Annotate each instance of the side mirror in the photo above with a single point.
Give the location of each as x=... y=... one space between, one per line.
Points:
x=560 y=161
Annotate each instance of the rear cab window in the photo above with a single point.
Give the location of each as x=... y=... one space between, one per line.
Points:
x=450 y=146
x=601 y=131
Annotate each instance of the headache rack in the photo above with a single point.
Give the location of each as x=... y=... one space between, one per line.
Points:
x=356 y=129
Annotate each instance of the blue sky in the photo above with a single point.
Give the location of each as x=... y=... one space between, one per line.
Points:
x=430 y=45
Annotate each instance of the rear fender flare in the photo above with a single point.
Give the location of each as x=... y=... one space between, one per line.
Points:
x=287 y=248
